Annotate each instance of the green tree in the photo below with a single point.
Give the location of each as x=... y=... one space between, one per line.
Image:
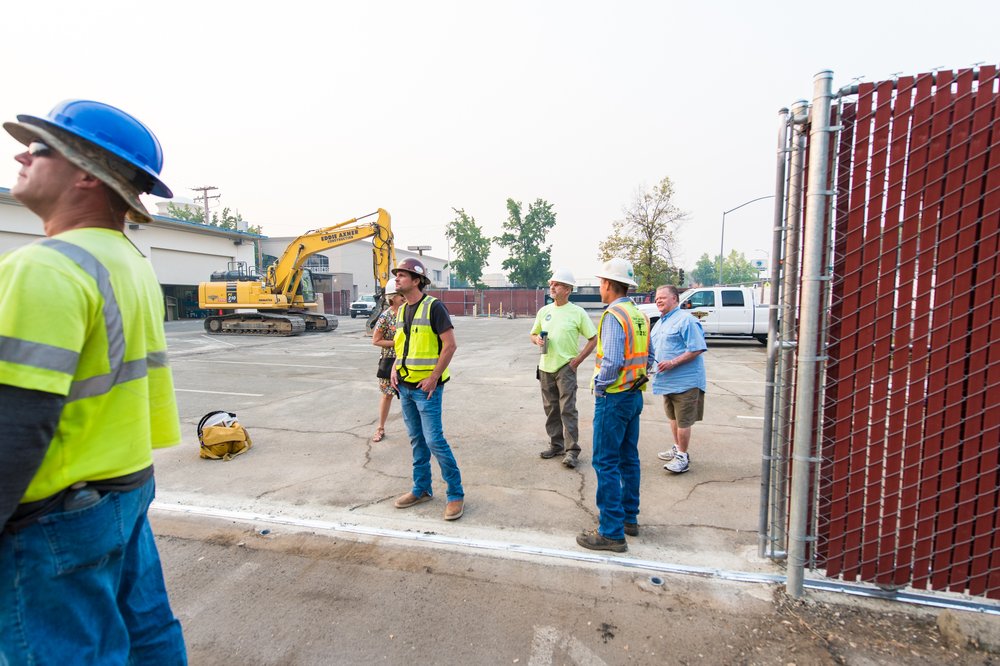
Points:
x=736 y=269
x=472 y=249
x=529 y=263
x=645 y=236
x=704 y=271
x=227 y=220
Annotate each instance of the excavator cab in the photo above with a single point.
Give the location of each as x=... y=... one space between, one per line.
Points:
x=236 y=271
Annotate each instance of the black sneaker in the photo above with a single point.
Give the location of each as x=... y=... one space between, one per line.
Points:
x=632 y=529
x=595 y=541
x=570 y=459
x=551 y=452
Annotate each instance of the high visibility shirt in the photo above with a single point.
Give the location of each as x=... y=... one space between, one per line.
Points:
x=636 y=344
x=416 y=361
x=81 y=315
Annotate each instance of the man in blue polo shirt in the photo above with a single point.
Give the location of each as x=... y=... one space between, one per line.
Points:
x=676 y=345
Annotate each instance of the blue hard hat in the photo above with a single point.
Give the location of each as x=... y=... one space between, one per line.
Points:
x=112 y=130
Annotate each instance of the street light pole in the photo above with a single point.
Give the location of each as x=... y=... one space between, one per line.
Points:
x=722 y=239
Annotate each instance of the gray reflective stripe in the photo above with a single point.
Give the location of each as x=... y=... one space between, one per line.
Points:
x=38 y=355
x=421 y=361
x=421 y=320
x=157 y=359
x=119 y=370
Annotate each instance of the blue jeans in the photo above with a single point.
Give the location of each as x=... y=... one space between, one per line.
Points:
x=616 y=460
x=423 y=422
x=85 y=587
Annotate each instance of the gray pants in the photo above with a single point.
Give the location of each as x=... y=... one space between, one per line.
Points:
x=559 y=401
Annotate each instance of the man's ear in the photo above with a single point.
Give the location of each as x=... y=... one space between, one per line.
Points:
x=87 y=181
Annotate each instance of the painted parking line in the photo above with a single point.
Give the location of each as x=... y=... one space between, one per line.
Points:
x=752 y=418
x=251 y=395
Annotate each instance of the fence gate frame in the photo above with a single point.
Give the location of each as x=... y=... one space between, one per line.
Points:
x=840 y=151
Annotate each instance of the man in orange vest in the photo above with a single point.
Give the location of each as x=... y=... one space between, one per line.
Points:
x=619 y=378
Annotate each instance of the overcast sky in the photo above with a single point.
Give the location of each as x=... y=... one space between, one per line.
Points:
x=306 y=114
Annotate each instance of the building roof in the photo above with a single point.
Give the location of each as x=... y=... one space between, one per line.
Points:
x=163 y=221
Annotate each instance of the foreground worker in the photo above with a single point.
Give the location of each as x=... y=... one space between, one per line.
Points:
x=557 y=330
x=622 y=351
x=425 y=343
x=86 y=396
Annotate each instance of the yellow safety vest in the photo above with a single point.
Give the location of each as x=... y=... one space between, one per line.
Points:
x=425 y=345
x=636 y=327
x=81 y=315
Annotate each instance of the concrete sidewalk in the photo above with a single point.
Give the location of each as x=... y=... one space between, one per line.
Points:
x=310 y=405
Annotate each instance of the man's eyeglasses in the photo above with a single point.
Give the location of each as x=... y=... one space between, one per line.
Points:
x=39 y=149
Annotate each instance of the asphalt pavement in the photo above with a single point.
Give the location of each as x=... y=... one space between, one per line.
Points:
x=309 y=403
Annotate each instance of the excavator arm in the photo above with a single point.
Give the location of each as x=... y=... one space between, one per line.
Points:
x=286 y=274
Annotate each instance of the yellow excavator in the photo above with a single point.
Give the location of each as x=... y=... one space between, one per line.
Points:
x=280 y=302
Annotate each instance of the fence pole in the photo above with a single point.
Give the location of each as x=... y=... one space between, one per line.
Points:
x=817 y=194
x=789 y=319
x=772 y=325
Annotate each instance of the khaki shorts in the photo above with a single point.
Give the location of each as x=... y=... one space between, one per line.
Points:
x=686 y=407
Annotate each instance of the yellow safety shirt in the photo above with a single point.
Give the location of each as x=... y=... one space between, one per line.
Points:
x=81 y=315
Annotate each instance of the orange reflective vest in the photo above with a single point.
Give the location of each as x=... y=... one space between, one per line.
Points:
x=636 y=327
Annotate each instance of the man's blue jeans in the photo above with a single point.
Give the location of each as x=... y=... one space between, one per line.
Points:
x=86 y=587
x=616 y=460
x=423 y=422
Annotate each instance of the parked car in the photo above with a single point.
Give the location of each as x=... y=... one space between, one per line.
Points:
x=363 y=306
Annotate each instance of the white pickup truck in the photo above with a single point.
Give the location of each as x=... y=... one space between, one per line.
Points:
x=724 y=312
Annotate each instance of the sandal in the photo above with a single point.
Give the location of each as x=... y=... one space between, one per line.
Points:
x=379 y=435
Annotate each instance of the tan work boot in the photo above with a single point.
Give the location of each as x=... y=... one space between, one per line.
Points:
x=409 y=499
x=454 y=510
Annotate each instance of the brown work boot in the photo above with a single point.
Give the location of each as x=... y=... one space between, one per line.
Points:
x=552 y=452
x=454 y=509
x=594 y=540
x=631 y=529
x=409 y=499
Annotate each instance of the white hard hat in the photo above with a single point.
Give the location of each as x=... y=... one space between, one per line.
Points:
x=618 y=270
x=563 y=276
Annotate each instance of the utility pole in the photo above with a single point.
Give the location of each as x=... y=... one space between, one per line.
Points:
x=205 y=197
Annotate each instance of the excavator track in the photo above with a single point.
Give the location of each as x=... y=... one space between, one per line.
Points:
x=318 y=323
x=255 y=323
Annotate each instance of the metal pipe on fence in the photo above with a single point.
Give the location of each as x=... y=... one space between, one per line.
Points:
x=772 y=324
x=789 y=319
x=817 y=194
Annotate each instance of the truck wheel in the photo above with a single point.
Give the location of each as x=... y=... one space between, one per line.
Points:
x=354 y=315
x=762 y=339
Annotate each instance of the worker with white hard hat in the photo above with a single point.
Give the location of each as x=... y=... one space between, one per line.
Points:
x=619 y=378
x=557 y=330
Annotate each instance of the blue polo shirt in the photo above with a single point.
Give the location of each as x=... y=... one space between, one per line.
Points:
x=675 y=333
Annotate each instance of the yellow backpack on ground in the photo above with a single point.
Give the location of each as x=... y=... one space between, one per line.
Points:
x=222 y=437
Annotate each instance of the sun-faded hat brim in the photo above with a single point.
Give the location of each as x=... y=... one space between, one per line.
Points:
x=89 y=157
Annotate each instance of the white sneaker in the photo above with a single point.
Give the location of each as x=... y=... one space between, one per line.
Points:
x=668 y=455
x=679 y=464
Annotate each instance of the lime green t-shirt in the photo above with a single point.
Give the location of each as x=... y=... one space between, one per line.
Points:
x=564 y=325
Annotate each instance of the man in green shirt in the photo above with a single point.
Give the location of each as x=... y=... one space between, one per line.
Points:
x=557 y=330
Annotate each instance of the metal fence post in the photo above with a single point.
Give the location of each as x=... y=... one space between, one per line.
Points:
x=789 y=318
x=772 y=325
x=817 y=194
